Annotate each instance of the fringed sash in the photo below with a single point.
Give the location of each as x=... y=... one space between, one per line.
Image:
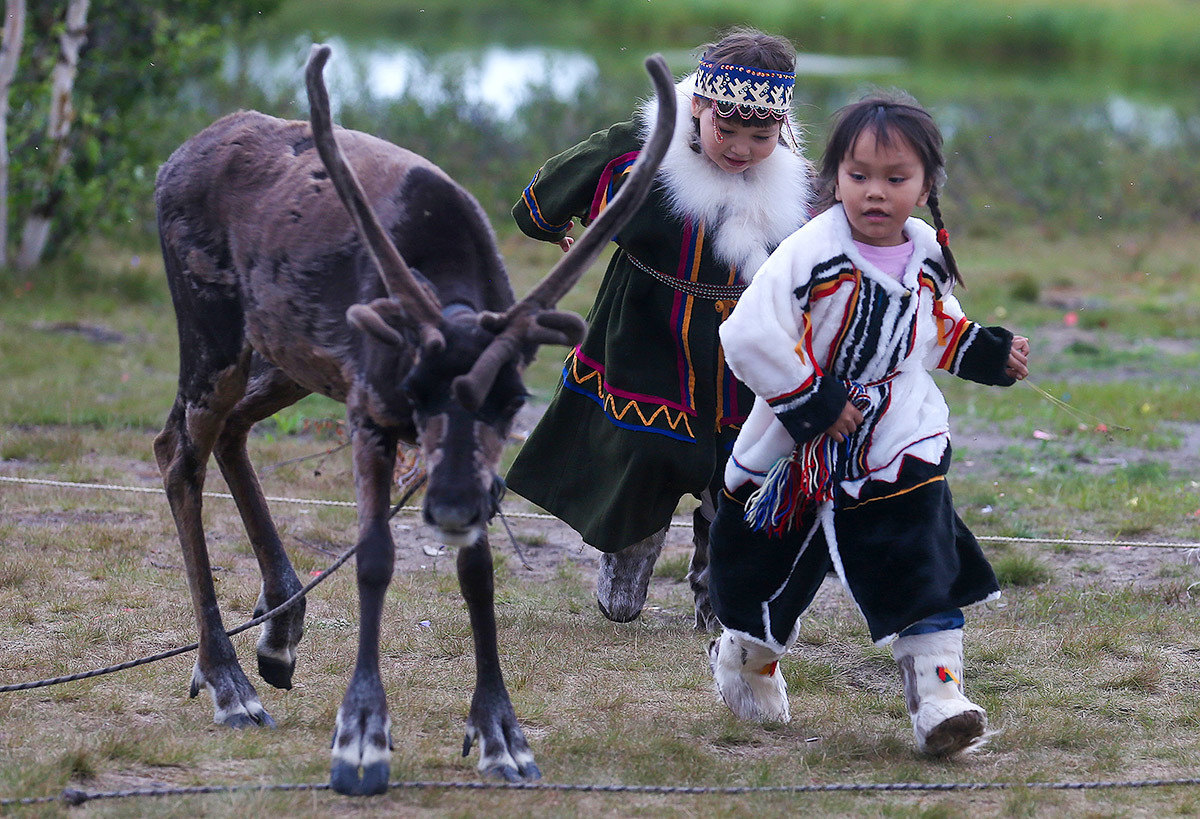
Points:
x=800 y=481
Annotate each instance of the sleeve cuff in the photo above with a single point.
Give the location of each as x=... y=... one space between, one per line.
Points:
x=815 y=412
x=986 y=356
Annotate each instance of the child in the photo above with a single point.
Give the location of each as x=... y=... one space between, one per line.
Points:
x=842 y=463
x=647 y=410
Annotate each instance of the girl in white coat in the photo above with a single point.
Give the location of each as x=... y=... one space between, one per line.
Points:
x=842 y=462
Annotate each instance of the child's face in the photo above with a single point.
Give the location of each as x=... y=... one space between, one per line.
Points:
x=880 y=187
x=740 y=147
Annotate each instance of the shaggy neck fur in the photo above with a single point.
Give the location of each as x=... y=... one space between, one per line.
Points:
x=745 y=215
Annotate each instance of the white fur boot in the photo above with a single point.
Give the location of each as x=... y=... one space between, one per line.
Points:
x=944 y=721
x=748 y=679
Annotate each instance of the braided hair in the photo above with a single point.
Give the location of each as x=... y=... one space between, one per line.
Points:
x=889 y=116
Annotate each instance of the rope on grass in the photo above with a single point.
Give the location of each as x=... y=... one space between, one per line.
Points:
x=1160 y=544
x=262 y=618
x=75 y=797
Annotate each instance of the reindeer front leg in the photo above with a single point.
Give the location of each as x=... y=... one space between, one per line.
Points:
x=503 y=751
x=362 y=743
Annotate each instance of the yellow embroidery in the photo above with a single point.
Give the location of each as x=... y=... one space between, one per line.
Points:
x=674 y=420
x=934 y=479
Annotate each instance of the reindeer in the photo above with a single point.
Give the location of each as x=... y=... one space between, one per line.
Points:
x=397 y=305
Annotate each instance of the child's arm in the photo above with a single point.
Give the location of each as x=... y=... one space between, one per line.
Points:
x=987 y=355
x=568 y=186
x=768 y=342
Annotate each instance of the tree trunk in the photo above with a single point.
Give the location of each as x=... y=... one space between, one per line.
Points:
x=37 y=225
x=10 y=53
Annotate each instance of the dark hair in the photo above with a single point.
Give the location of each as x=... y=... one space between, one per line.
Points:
x=753 y=48
x=889 y=116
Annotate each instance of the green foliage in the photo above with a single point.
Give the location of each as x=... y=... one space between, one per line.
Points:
x=135 y=61
x=1153 y=39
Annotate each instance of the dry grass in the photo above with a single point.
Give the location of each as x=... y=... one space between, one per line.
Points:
x=1087 y=669
x=1083 y=681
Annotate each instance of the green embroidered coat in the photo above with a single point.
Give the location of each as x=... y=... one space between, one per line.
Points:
x=647 y=410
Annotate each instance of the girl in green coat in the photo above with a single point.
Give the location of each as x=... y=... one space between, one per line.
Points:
x=647 y=410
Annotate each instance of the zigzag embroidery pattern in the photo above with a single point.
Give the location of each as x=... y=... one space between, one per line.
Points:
x=609 y=402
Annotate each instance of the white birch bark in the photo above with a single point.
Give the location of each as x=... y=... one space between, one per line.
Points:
x=10 y=53
x=62 y=114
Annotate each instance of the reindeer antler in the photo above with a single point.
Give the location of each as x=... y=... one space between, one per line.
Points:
x=418 y=303
x=532 y=319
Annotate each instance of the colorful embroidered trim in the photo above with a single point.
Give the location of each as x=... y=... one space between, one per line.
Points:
x=625 y=412
x=741 y=85
x=801 y=481
x=606 y=187
x=946 y=675
x=535 y=211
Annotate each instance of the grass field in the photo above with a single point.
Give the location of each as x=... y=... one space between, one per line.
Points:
x=1087 y=666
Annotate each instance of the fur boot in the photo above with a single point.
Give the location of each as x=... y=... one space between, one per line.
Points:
x=944 y=721
x=748 y=679
x=624 y=578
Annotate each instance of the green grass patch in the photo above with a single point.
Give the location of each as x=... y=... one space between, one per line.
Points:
x=1021 y=570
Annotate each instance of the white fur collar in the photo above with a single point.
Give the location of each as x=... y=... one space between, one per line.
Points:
x=746 y=215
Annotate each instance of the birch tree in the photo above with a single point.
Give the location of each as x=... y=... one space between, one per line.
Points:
x=62 y=114
x=104 y=91
x=10 y=55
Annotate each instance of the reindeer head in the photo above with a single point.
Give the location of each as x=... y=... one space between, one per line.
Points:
x=465 y=384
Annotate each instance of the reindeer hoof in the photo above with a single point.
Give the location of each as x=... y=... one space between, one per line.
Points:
x=507 y=773
x=361 y=751
x=350 y=780
x=235 y=703
x=276 y=672
x=245 y=719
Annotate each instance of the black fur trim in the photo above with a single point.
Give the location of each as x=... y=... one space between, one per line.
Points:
x=817 y=413
x=984 y=356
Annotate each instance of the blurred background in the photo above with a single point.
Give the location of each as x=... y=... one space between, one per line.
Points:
x=1072 y=126
x=1070 y=115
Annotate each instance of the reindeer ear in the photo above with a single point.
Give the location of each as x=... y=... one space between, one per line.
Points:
x=367 y=319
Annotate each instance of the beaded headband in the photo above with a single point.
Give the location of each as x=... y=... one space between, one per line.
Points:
x=750 y=92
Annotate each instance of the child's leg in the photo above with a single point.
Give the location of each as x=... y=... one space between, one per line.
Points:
x=748 y=678
x=697 y=575
x=930 y=657
x=759 y=586
x=624 y=577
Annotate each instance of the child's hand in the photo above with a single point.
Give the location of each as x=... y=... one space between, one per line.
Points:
x=1018 y=359
x=847 y=422
x=566 y=241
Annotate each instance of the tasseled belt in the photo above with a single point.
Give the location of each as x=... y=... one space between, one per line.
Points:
x=802 y=480
x=701 y=290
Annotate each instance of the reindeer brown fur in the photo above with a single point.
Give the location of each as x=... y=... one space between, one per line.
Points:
x=394 y=301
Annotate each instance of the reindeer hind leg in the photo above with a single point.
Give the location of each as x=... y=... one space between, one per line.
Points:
x=268 y=391
x=212 y=378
